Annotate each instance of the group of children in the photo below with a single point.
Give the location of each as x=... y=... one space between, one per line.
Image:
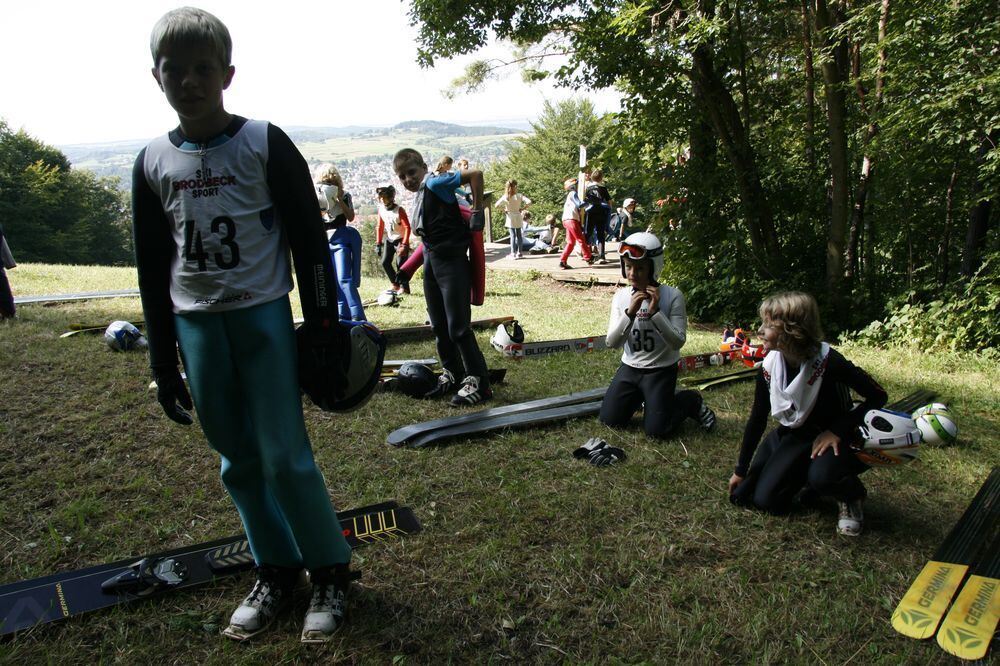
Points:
x=220 y=201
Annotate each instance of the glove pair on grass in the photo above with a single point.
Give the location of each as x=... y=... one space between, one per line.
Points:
x=598 y=453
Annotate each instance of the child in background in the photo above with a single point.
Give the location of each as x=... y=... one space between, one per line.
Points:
x=331 y=186
x=650 y=321
x=804 y=384
x=444 y=165
x=571 y=222
x=512 y=202
x=392 y=238
x=598 y=207
x=448 y=272
x=214 y=278
x=344 y=242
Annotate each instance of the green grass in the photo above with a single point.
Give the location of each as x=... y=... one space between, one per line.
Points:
x=527 y=554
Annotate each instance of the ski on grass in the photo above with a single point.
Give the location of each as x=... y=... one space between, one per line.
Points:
x=709 y=382
x=540 y=416
x=424 y=332
x=521 y=350
x=28 y=603
x=920 y=610
x=967 y=630
x=403 y=435
x=387 y=382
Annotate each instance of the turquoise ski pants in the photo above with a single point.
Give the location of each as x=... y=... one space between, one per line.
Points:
x=241 y=367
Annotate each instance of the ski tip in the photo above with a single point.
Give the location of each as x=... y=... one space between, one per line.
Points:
x=968 y=628
x=921 y=609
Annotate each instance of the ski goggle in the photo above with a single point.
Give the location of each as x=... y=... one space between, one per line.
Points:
x=636 y=252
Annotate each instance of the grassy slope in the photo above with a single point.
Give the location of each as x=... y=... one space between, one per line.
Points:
x=527 y=553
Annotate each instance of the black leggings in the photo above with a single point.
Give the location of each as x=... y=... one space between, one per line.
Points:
x=389 y=257
x=447 y=288
x=782 y=467
x=664 y=410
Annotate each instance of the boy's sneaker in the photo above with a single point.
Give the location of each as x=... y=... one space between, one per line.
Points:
x=446 y=382
x=328 y=605
x=470 y=393
x=519 y=255
x=706 y=417
x=851 y=518
x=271 y=593
x=563 y=265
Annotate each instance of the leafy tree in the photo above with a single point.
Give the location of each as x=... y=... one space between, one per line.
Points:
x=55 y=214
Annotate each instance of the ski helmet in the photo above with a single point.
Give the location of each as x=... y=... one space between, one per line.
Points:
x=504 y=340
x=415 y=379
x=642 y=245
x=387 y=298
x=340 y=373
x=123 y=336
x=889 y=438
x=753 y=355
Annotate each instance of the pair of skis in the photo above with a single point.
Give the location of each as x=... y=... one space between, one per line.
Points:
x=520 y=415
x=972 y=548
x=391 y=334
x=53 y=598
x=519 y=350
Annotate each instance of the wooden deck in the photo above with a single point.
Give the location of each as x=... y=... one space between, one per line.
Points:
x=498 y=258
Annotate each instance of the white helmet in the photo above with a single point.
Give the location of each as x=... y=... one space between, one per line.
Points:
x=387 y=297
x=123 y=336
x=640 y=245
x=890 y=438
x=504 y=341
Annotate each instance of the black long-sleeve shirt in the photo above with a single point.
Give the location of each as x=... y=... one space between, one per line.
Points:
x=833 y=410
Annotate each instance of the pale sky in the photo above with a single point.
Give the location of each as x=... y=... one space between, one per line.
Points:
x=79 y=72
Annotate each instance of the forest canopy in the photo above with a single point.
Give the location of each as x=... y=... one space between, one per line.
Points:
x=846 y=148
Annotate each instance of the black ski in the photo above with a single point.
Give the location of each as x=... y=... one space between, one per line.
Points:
x=710 y=382
x=424 y=332
x=53 y=598
x=388 y=380
x=923 y=606
x=518 y=420
x=403 y=435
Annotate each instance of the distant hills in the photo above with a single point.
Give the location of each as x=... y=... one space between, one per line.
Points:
x=350 y=147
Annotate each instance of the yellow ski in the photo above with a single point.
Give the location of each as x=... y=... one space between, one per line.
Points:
x=968 y=629
x=921 y=609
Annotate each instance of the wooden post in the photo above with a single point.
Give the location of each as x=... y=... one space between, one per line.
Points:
x=488 y=210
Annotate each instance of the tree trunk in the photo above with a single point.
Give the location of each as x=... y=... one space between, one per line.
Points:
x=979 y=216
x=810 y=86
x=834 y=78
x=867 y=163
x=719 y=107
x=944 y=244
x=744 y=86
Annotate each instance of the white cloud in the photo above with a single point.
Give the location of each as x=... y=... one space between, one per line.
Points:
x=80 y=72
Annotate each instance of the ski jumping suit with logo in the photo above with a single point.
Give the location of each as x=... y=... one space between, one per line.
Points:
x=782 y=465
x=448 y=276
x=648 y=373
x=345 y=252
x=393 y=229
x=574 y=231
x=213 y=224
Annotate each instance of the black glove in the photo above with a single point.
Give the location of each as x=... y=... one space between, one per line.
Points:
x=378 y=249
x=606 y=455
x=324 y=350
x=477 y=221
x=589 y=447
x=172 y=395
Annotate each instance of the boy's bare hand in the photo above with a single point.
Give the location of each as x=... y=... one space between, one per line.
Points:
x=653 y=293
